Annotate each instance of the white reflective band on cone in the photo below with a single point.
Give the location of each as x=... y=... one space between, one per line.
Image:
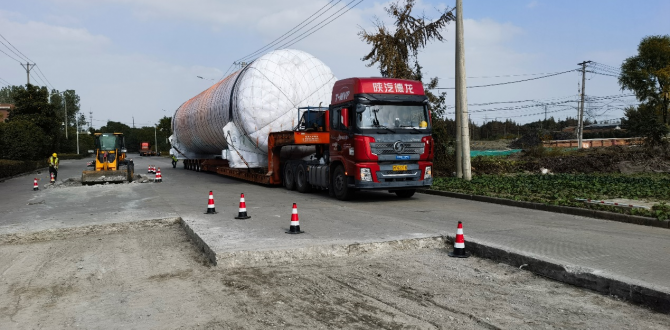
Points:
x=459 y=231
x=243 y=209
x=459 y=245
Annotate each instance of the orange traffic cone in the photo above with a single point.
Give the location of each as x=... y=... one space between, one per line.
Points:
x=35 y=185
x=159 y=177
x=210 y=204
x=242 y=214
x=295 y=223
x=459 y=244
x=53 y=179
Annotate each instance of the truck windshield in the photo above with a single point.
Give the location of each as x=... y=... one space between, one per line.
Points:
x=107 y=142
x=392 y=116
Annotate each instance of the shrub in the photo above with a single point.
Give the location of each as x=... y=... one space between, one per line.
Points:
x=23 y=140
x=10 y=168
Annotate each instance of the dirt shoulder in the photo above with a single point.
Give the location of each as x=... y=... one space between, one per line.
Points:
x=153 y=277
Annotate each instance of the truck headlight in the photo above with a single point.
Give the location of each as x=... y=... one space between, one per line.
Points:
x=428 y=173
x=365 y=174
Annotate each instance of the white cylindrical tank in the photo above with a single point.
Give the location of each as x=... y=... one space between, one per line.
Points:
x=260 y=98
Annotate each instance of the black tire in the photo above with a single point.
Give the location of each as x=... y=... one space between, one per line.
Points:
x=301 y=181
x=197 y=166
x=339 y=186
x=289 y=176
x=405 y=193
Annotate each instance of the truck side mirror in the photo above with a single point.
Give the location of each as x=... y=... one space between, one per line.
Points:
x=344 y=113
x=360 y=108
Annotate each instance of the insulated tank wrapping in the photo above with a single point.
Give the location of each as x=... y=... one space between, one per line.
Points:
x=262 y=97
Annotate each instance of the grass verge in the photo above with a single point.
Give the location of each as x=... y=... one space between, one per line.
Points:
x=563 y=189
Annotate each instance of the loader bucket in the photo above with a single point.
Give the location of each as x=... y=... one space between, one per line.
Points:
x=101 y=177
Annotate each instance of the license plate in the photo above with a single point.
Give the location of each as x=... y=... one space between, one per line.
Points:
x=400 y=167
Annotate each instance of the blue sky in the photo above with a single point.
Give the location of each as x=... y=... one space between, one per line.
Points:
x=141 y=58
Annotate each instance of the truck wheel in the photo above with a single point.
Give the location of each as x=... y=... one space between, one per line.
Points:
x=405 y=193
x=340 y=188
x=289 y=176
x=301 y=180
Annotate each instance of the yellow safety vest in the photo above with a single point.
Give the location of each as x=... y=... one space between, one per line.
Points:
x=52 y=162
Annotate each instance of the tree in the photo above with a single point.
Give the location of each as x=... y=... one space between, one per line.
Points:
x=643 y=121
x=396 y=52
x=648 y=75
x=22 y=140
x=32 y=105
x=8 y=93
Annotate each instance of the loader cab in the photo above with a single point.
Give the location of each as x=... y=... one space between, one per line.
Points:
x=110 y=142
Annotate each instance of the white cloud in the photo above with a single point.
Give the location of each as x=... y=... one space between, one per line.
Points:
x=117 y=84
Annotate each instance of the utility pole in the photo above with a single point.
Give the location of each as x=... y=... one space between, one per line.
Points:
x=90 y=118
x=580 y=126
x=66 y=121
x=77 y=118
x=133 y=121
x=28 y=67
x=156 y=139
x=461 y=93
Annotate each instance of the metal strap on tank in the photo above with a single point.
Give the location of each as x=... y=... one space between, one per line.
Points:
x=232 y=91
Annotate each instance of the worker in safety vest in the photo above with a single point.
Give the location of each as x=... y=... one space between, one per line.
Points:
x=174 y=161
x=53 y=165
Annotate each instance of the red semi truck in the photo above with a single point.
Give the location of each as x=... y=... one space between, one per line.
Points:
x=145 y=149
x=375 y=135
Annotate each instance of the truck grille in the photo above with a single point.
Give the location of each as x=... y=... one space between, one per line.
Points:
x=386 y=148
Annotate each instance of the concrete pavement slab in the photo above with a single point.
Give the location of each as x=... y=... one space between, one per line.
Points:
x=635 y=254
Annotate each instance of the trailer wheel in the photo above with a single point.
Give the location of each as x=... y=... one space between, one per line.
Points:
x=301 y=181
x=405 y=193
x=289 y=176
x=340 y=188
x=197 y=166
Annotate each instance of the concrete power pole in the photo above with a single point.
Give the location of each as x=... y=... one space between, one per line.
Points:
x=28 y=67
x=580 y=125
x=461 y=94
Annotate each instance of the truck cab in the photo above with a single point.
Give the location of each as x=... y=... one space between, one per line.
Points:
x=380 y=137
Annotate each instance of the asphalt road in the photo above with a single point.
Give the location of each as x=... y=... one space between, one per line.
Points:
x=632 y=253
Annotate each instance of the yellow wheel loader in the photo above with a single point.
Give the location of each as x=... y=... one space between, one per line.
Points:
x=111 y=164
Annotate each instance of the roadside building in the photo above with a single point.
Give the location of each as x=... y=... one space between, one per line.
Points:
x=5 y=108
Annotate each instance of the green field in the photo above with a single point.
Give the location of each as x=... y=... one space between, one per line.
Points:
x=564 y=189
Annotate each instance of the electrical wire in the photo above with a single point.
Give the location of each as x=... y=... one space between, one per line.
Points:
x=311 y=30
x=324 y=25
x=509 y=75
x=44 y=76
x=282 y=38
x=5 y=82
x=511 y=82
x=24 y=56
x=10 y=56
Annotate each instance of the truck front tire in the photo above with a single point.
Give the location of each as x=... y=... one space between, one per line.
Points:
x=339 y=186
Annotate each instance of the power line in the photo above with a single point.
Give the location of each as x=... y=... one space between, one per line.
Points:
x=311 y=30
x=43 y=75
x=510 y=75
x=346 y=6
x=9 y=56
x=281 y=38
x=511 y=82
x=24 y=56
x=5 y=82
